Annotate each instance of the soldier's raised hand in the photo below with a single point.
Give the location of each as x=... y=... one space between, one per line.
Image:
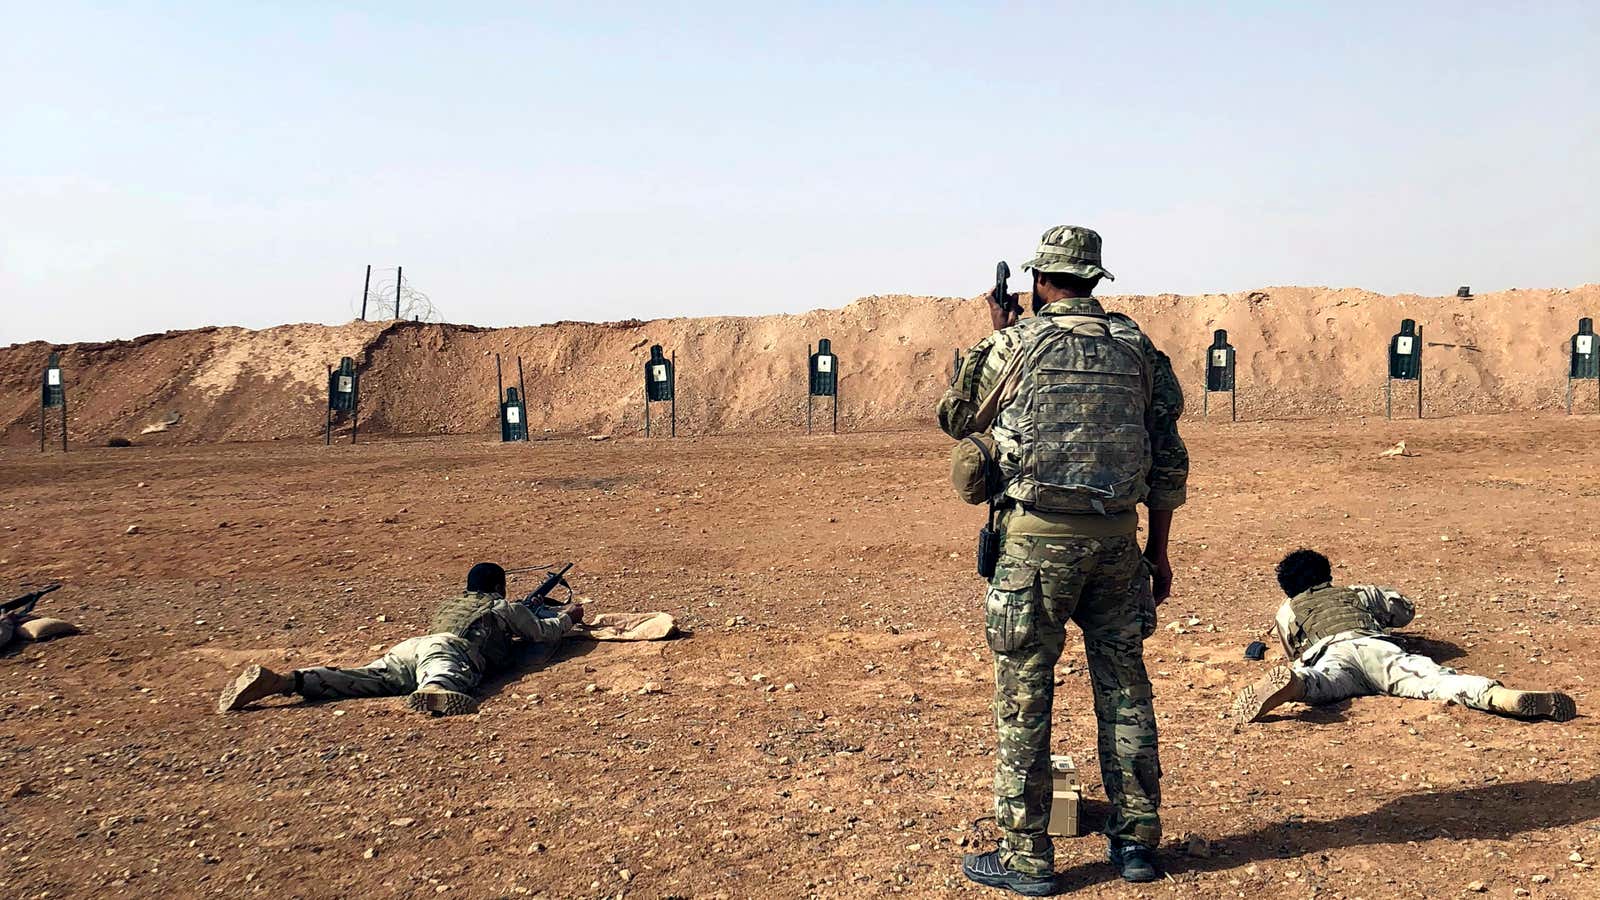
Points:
x=1003 y=318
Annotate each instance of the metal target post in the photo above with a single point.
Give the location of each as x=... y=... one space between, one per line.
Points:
x=1584 y=363
x=1405 y=364
x=660 y=385
x=327 y=435
x=511 y=408
x=822 y=380
x=1220 y=375
x=344 y=394
x=523 y=387
x=54 y=393
x=366 y=287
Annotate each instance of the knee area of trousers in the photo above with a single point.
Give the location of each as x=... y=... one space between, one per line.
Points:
x=1121 y=699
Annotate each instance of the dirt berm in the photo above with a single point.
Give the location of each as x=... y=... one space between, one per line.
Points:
x=1302 y=352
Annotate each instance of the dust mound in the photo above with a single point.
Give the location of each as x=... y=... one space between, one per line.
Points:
x=1302 y=352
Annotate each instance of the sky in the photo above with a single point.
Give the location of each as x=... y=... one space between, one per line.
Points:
x=173 y=165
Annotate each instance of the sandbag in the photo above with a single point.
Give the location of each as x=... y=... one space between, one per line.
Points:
x=656 y=626
x=43 y=629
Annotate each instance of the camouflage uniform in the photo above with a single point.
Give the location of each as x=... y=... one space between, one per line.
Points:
x=1084 y=568
x=474 y=634
x=1337 y=638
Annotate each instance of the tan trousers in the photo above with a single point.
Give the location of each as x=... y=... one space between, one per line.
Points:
x=1369 y=665
x=434 y=660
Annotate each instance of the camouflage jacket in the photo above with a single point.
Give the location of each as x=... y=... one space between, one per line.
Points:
x=973 y=403
x=1383 y=607
x=494 y=635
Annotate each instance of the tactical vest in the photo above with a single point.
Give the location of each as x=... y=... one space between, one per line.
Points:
x=458 y=614
x=1325 y=611
x=1079 y=415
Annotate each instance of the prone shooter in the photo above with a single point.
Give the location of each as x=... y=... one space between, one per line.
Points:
x=471 y=636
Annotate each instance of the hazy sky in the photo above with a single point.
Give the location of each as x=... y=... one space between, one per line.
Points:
x=168 y=165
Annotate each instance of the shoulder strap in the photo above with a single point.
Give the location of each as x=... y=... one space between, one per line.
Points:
x=1071 y=323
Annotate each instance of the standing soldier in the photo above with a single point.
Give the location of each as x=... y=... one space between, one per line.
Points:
x=1080 y=413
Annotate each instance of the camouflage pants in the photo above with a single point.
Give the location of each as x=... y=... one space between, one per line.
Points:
x=1039 y=585
x=435 y=660
x=1369 y=665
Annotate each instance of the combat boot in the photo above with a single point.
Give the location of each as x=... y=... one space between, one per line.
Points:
x=1273 y=689
x=987 y=869
x=256 y=683
x=1530 y=704
x=439 y=702
x=1134 y=861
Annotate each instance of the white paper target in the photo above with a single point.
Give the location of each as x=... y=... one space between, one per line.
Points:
x=1219 y=359
x=659 y=373
x=1403 y=345
x=513 y=415
x=825 y=364
x=52 y=377
x=1585 y=344
x=347 y=384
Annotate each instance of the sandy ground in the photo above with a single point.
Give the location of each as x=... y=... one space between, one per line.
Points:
x=840 y=566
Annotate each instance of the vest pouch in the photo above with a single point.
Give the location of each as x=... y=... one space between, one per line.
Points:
x=989 y=542
x=1010 y=608
x=975 y=469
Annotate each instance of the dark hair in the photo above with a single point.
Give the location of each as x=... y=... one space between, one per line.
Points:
x=487 y=578
x=1303 y=570
x=1074 y=284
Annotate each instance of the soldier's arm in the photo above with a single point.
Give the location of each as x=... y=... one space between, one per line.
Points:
x=534 y=623
x=1391 y=608
x=1169 y=469
x=1169 y=464
x=1282 y=624
x=962 y=410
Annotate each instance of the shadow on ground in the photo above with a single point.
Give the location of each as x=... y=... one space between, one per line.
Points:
x=1436 y=650
x=1492 y=812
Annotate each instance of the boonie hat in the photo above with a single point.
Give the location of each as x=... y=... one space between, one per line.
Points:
x=1072 y=249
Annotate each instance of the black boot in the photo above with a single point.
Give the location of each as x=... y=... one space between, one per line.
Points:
x=987 y=869
x=1135 y=862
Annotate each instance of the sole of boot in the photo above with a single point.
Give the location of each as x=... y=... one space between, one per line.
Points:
x=1142 y=876
x=1546 y=705
x=442 y=703
x=246 y=689
x=1257 y=699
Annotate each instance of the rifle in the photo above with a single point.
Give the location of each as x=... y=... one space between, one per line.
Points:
x=551 y=581
x=23 y=605
x=1000 y=296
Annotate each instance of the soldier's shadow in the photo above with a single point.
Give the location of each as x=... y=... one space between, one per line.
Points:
x=1436 y=650
x=1488 y=813
x=532 y=659
x=1326 y=714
